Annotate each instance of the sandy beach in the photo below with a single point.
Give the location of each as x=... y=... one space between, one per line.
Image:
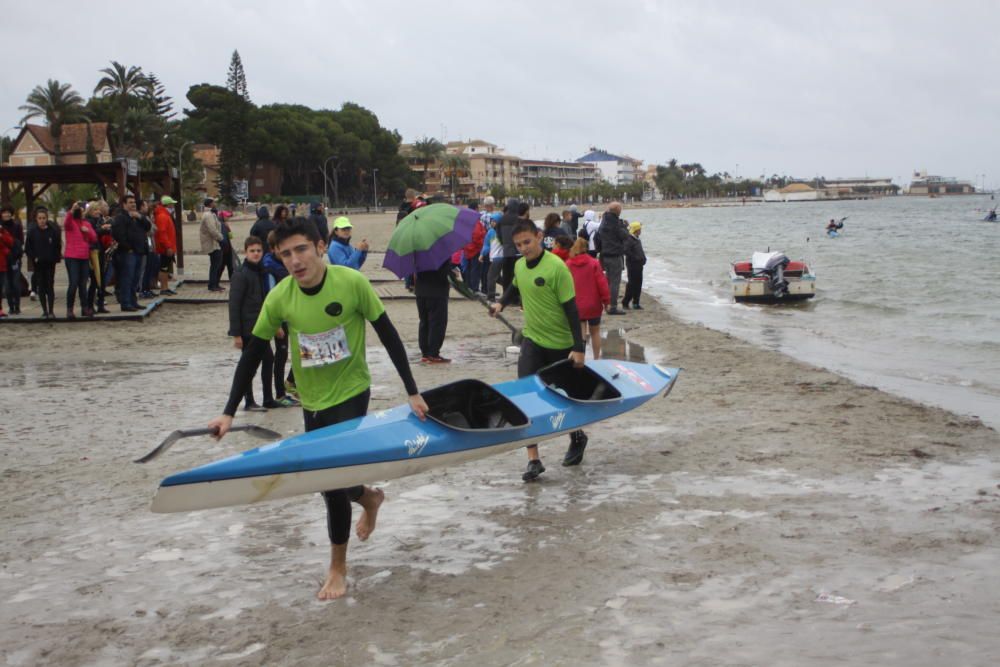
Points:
x=766 y=513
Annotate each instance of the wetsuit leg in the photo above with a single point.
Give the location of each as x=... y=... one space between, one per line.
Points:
x=338 y=501
x=280 y=357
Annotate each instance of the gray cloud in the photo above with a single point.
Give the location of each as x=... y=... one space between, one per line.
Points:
x=790 y=87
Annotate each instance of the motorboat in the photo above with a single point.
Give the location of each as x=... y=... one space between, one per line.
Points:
x=771 y=277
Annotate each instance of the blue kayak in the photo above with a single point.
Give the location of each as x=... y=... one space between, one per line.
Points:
x=468 y=420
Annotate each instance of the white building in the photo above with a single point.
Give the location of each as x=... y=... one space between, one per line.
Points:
x=615 y=169
x=794 y=192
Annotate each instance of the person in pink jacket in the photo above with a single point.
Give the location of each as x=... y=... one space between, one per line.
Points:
x=592 y=294
x=79 y=236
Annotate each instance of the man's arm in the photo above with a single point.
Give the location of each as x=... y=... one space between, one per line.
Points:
x=509 y=295
x=393 y=344
x=245 y=370
x=573 y=317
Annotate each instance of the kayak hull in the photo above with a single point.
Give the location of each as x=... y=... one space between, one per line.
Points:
x=469 y=420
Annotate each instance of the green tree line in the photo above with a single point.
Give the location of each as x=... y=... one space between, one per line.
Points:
x=349 y=143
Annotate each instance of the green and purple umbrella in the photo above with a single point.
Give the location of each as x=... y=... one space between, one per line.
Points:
x=428 y=237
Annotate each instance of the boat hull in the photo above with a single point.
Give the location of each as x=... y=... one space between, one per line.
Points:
x=394 y=443
x=749 y=286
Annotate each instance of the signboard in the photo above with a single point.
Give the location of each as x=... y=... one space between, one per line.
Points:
x=132 y=166
x=241 y=190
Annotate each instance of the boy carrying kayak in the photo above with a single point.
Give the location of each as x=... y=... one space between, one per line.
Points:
x=326 y=308
x=551 y=323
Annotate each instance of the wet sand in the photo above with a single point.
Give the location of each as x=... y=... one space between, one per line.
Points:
x=767 y=512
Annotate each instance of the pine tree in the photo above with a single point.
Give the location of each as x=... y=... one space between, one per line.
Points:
x=237 y=79
x=161 y=104
x=233 y=157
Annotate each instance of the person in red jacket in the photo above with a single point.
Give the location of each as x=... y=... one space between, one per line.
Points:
x=6 y=245
x=76 y=253
x=471 y=266
x=592 y=294
x=165 y=242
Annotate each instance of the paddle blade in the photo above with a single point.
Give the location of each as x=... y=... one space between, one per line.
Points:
x=179 y=434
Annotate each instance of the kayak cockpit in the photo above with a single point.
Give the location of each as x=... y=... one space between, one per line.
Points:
x=473 y=405
x=577 y=384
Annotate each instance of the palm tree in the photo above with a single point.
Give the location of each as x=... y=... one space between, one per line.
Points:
x=454 y=165
x=124 y=85
x=427 y=150
x=58 y=104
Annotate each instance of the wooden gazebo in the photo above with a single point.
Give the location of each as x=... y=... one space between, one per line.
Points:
x=114 y=176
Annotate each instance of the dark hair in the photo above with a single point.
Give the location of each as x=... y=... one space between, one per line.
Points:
x=565 y=241
x=524 y=226
x=295 y=226
x=39 y=209
x=474 y=204
x=252 y=240
x=523 y=208
x=208 y=201
x=278 y=212
x=126 y=198
x=9 y=209
x=552 y=220
x=271 y=243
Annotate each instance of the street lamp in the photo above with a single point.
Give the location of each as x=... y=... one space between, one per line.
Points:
x=375 y=186
x=12 y=127
x=180 y=205
x=180 y=172
x=326 y=199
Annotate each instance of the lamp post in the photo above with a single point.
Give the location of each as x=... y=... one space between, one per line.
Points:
x=180 y=172
x=326 y=200
x=12 y=127
x=375 y=187
x=179 y=211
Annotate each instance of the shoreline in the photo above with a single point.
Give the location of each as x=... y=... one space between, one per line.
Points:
x=731 y=523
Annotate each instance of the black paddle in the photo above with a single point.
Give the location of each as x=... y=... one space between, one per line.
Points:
x=516 y=335
x=252 y=429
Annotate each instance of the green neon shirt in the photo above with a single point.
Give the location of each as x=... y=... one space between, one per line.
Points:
x=316 y=320
x=544 y=289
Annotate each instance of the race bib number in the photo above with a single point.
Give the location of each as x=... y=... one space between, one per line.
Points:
x=324 y=348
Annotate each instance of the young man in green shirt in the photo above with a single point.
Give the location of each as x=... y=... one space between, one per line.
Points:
x=326 y=308
x=551 y=323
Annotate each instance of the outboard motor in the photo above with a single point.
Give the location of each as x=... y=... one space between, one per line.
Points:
x=772 y=265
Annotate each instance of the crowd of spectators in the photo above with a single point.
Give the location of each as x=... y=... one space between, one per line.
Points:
x=130 y=246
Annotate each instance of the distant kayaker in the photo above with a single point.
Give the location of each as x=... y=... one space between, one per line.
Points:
x=834 y=226
x=551 y=323
x=326 y=308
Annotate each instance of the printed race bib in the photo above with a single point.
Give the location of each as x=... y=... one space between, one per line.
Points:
x=324 y=348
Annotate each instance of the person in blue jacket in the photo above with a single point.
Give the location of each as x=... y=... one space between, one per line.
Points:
x=340 y=251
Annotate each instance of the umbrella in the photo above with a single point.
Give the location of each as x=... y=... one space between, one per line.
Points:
x=427 y=238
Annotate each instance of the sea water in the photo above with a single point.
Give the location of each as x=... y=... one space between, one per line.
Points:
x=907 y=298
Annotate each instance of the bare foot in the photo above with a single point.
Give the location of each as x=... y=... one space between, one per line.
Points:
x=371 y=500
x=335 y=585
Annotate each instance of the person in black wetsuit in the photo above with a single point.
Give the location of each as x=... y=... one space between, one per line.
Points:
x=326 y=307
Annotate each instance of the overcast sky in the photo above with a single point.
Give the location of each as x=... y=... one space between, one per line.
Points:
x=798 y=88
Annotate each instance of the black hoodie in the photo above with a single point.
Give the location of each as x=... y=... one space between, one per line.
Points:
x=505 y=228
x=44 y=245
x=263 y=226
